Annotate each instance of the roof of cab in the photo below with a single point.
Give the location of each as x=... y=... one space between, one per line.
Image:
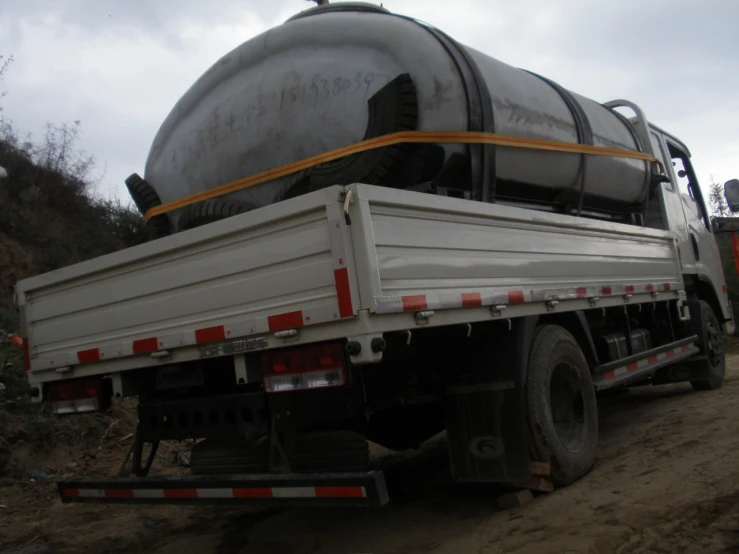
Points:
x=672 y=137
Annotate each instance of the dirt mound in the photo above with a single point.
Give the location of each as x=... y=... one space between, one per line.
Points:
x=84 y=446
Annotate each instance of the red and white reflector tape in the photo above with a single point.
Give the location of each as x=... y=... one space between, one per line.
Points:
x=342 y=307
x=341 y=271
x=216 y=333
x=216 y=493
x=651 y=360
x=441 y=301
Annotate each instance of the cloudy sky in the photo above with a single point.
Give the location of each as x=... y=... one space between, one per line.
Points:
x=119 y=66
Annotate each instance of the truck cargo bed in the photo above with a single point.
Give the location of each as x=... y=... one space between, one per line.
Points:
x=234 y=285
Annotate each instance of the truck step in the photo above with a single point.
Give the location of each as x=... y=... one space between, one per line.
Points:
x=643 y=365
x=320 y=489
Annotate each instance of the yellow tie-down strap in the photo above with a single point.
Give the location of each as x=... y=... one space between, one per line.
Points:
x=466 y=137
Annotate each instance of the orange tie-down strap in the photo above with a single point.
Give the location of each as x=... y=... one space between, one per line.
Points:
x=467 y=137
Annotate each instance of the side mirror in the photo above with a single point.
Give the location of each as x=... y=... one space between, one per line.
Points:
x=731 y=192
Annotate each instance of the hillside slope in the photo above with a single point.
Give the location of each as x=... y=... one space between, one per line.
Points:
x=49 y=218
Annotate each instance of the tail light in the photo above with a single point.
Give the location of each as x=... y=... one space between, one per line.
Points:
x=309 y=367
x=75 y=397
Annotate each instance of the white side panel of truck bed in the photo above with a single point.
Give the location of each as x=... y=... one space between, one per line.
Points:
x=431 y=252
x=271 y=269
x=399 y=259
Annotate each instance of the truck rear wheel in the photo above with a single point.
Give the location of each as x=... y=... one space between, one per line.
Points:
x=562 y=408
x=712 y=347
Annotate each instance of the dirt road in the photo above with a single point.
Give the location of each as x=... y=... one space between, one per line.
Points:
x=666 y=480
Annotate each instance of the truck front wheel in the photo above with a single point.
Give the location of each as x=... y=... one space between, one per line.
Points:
x=712 y=347
x=562 y=408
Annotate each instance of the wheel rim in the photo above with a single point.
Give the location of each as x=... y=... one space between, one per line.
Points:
x=714 y=344
x=568 y=406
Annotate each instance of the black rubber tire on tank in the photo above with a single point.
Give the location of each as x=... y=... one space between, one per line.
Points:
x=208 y=212
x=561 y=404
x=142 y=193
x=391 y=109
x=712 y=347
x=145 y=198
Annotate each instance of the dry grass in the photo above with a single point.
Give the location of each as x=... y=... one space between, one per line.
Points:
x=49 y=216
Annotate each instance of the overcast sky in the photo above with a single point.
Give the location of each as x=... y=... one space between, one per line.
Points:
x=119 y=66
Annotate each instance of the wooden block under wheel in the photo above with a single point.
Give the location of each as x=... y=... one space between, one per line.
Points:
x=537 y=484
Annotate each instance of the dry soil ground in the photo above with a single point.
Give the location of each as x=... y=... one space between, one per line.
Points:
x=666 y=480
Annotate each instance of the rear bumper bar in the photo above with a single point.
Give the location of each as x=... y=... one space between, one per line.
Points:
x=320 y=489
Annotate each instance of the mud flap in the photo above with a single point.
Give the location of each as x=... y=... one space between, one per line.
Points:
x=485 y=416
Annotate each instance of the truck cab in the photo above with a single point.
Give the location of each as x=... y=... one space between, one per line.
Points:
x=687 y=216
x=676 y=204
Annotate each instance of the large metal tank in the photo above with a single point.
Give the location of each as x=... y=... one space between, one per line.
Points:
x=337 y=74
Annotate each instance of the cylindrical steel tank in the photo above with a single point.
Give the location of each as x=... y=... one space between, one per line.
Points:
x=337 y=74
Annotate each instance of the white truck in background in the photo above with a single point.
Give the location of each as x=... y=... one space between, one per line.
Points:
x=290 y=335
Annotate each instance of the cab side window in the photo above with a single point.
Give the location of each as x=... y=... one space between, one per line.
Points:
x=681 y=173
x=687 y=183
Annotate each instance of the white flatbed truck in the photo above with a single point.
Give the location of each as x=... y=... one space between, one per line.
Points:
x=288 y=336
